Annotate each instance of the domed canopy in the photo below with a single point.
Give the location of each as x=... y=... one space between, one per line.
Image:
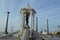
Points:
x=26 y=8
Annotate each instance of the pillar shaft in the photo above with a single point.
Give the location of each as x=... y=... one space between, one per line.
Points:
x=32 y=22
x=21 y=22
x=36 y=24
x=6 y=29
x=47 y=27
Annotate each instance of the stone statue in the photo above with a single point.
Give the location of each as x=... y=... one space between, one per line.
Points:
x=27 y=19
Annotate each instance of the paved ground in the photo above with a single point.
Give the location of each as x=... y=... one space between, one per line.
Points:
x=49 y=37
x=9 y=38
x=39 y=37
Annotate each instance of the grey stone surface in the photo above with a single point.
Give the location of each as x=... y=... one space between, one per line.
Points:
x=10 y=38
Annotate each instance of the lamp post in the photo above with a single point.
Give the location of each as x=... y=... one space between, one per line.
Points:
x=6 y=32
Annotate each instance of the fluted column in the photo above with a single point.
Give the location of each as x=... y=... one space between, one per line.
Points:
x=32 y=21
x=21 y=22
x=36 y=24
x=24 y=20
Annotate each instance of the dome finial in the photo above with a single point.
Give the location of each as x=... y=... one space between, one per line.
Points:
x=28 y=3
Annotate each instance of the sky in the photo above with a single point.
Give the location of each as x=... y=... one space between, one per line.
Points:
x=45 y=9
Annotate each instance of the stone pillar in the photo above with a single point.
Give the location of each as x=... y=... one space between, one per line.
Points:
x=24 y=20
x=32 y=22
x=36 y=24
x=6 y=29
x=21 y=22
x=47 y=27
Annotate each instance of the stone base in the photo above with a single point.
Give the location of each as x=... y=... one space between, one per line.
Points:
x=27 y=27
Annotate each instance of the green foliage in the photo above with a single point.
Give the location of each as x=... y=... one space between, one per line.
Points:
x=58 y=33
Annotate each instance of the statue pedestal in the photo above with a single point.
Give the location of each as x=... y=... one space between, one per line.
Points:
x=25 y=34
x=26 y=26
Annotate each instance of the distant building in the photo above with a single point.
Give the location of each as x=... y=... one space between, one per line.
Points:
x=55 y=32
x=43 y=32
